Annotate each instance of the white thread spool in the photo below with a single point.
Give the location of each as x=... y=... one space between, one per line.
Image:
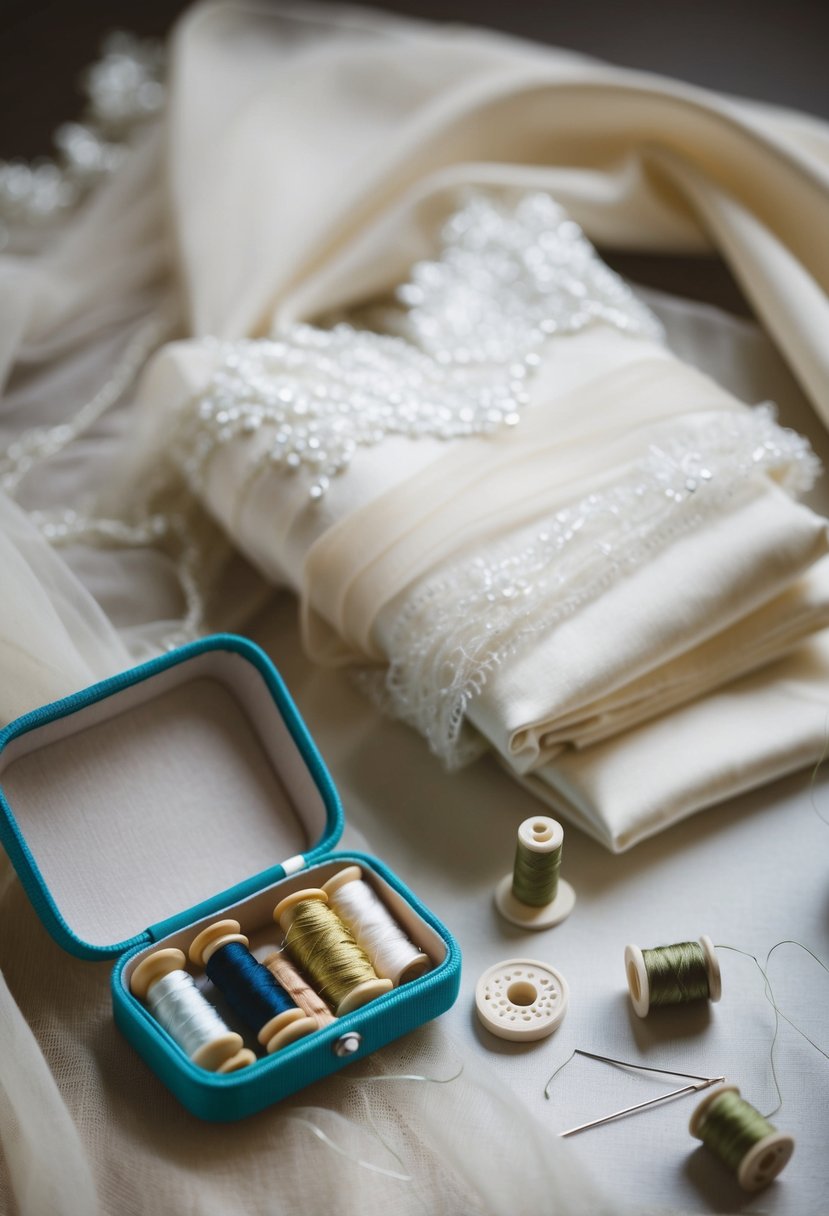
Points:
x=543 y=836
x=392 y=955
x=188 y=1017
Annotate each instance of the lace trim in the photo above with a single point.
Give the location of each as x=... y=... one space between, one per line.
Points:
x=477 y=612
x=462 y=337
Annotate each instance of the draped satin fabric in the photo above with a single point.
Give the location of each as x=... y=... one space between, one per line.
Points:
x=325 y=172
x=304 y=163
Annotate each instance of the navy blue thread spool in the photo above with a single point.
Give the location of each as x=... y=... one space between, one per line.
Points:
x=249 y=988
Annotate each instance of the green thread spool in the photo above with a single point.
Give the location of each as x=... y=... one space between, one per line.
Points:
x=326 y=951
x=741 y=1137
x=533 y=895
x=672 y=975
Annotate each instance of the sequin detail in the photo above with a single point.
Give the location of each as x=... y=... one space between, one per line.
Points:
x=461 y=338
x=477 y=612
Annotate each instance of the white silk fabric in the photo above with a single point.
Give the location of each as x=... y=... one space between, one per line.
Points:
x=639 y=162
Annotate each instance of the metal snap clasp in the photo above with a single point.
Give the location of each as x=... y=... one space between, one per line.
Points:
x=347 y=1044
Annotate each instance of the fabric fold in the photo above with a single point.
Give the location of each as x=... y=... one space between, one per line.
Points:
x=626 y=544
x=307 y=161
x=565 y=446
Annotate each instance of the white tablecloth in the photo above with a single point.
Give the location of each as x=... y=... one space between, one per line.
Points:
x=749 y=873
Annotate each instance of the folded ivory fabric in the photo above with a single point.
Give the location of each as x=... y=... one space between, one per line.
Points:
x=501 y=418
x=414 y=394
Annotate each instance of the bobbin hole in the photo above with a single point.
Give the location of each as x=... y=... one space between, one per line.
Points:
x=768 y=1160
x=542 y=830
x=633 y=981
x=522 y=992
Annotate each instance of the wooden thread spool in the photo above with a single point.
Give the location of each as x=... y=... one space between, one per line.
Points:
x=741 y=1137
x=672 y=975
x=532 y=895
x=283 y=1027
x=318 y=968
x=392 y=955
x=222 y=1049
x=309 y=1001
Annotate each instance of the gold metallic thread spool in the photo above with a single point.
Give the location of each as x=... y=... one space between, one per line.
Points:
x=285 y=1027
x=533 y=895
x=224 y=1051
x=741 y=1137
x=319 y=969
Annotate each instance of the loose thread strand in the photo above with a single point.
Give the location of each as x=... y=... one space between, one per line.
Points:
x=332 y=1144
x=401 y=1076
x=778 y=1012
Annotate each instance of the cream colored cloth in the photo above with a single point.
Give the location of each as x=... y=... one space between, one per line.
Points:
x=720 y=600
x=231 y=212
x=712 y=590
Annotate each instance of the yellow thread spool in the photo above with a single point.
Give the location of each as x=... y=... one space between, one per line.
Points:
x=362 y=992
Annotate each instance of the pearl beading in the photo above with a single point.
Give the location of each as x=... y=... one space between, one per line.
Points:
x=479 y=610
x=462 y=338
x=123 y=89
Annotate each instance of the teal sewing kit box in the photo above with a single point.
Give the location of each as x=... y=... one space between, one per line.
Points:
x=187 y=790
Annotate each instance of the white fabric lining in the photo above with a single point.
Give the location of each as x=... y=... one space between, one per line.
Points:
x=199 y=745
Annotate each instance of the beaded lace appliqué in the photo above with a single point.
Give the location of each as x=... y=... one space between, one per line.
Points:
x=451 y=355
x=476 y=612
x=461 y=338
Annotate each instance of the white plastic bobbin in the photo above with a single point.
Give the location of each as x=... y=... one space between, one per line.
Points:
x=764 y=1160
x=639 y=984
x=521 y=999
x=540 y=834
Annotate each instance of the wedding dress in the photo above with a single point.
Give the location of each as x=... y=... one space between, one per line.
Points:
x=305 y=174
x=465 y=445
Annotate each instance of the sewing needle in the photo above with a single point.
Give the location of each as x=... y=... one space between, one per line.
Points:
x=699 y=1083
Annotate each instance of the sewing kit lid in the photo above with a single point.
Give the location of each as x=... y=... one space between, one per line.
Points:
x=161 y=795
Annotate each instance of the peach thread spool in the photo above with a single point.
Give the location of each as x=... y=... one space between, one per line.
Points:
x=309 y=1001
